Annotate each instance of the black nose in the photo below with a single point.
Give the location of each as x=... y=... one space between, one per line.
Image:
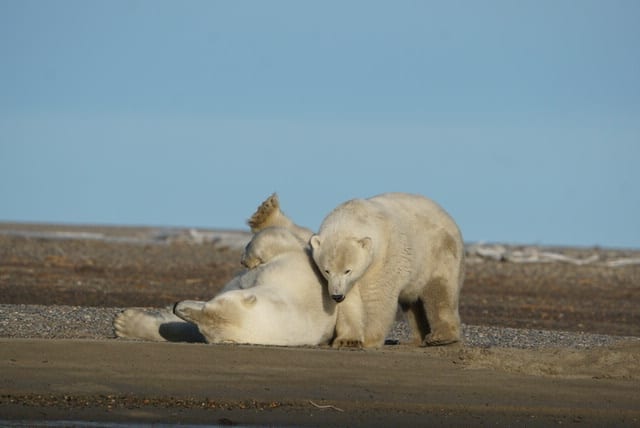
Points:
x=338 y=297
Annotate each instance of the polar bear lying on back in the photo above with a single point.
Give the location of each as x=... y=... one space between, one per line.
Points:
x=281 y=300
x=287 y=304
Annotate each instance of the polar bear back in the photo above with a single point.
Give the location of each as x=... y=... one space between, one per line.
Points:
x=411 y=219
x=422 y=225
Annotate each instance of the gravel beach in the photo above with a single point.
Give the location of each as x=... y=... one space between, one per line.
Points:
x=80 y=322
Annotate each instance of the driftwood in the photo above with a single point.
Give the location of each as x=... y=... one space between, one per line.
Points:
x=479 y=252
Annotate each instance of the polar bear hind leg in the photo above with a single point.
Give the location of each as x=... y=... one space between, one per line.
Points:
x=266 y=214
x=441 y=307
x=269 y=214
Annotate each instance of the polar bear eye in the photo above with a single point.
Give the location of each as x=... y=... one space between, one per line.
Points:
x=347 y=272
x=327 y=271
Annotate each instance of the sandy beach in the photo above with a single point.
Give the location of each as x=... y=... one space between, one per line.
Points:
x=546 y=342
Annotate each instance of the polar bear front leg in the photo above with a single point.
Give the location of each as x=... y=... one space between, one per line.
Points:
x=379 y=315
x=158 y=325
x=350 y=321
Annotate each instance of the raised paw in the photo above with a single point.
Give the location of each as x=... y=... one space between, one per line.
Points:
x=260 y=219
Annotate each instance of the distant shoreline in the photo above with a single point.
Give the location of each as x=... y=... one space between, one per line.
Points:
x=161 y=234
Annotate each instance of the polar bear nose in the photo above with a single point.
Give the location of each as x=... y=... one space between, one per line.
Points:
x=338 y=297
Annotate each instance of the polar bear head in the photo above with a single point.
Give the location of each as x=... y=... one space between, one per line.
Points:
x=267 y=244
x=342 y=261
x=222 y=319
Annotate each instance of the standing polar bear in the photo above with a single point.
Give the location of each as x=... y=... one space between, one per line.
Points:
x=389 y=249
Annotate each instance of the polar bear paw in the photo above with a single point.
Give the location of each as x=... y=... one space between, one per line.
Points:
x=141 y=324
x=265 y=213
x=434 y=339
x=347 y=343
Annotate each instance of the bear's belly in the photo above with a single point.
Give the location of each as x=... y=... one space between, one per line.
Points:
x=409 y=295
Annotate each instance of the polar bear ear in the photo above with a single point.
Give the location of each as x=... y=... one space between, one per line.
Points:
x=365 y=242
x=315 y=242
x=249 y=300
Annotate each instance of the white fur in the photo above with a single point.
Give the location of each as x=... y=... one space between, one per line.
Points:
x=281 y=302
x=389 y=249
x=287 y=306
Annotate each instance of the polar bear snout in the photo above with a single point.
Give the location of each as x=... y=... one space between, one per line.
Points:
x=338 y=297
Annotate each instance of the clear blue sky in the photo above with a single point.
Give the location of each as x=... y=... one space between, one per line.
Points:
x=522 y=118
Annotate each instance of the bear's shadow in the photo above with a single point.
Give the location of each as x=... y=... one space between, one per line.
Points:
x=177 y=331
